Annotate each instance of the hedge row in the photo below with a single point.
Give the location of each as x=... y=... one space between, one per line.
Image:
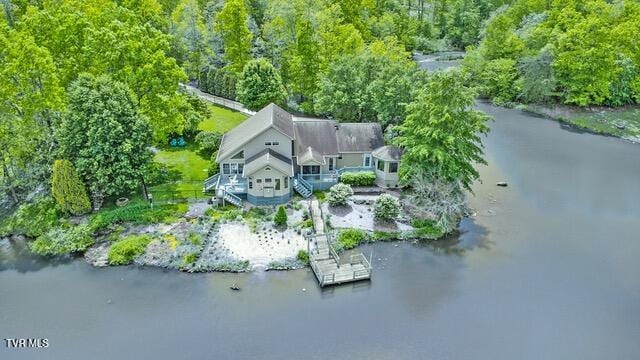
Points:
x=366 y=178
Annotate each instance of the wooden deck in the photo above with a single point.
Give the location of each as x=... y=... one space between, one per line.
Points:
x=325 y=262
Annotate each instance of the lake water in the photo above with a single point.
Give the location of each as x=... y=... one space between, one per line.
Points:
x=547 y=269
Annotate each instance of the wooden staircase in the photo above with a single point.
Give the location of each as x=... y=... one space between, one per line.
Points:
x=230 y=198
x=302 y=187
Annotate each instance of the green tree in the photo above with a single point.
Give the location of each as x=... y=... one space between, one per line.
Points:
x=68 y=189
x=442 y=131
x=104 y=136
x=188 y=32
x=280 y=218
x=259 y=85
x=232 y=25
x=31 y=98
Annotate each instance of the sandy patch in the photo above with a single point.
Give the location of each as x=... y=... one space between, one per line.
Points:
x=263 y=247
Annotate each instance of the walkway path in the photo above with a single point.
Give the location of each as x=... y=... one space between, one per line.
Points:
x=217 y=99
x=326 y=263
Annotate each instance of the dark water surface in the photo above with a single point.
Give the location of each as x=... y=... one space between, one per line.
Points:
x=551 y=270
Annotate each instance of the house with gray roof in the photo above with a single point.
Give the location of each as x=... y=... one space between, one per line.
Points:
x=273 y=153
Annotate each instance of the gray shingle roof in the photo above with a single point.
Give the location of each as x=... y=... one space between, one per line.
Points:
x=359 y=137
x=320 y=134
x=310 y=154
x=268 y=157
x=270 y=116
x=388 y=153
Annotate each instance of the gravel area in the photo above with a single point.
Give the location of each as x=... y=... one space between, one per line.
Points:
x=358 y=213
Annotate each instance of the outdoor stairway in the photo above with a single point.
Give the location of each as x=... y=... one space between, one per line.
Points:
x=211 y=183
x=230 y=198
x=302 y=187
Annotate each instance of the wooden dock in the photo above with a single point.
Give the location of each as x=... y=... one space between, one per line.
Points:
x=324 y=260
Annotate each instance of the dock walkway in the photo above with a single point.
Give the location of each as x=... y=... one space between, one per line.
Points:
x=324 y=260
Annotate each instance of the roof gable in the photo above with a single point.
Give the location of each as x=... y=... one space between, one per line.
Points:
x=271 y=116
x=268 y=157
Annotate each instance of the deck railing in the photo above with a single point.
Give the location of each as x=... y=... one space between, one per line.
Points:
x=355 y=169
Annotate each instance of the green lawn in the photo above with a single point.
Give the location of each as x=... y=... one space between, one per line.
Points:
x=186 y=160
x=221 y=119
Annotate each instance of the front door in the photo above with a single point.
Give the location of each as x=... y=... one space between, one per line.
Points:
x=267 y=191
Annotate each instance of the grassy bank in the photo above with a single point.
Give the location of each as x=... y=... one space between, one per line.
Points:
x=623 y=122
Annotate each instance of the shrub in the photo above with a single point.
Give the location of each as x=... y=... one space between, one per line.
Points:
x=366 y=178
x=137 y=213
x=280 y=219
x=386 y=208
x=208 y=142
x=125 y=250
x=350 y=238
x=303 y=257
x=32 y=219
x=339 y=194
x=60 y=241
x=426 y=229
x=68 y=189
x=194 y=238
x=320 y=195
x=214 y=167
x=190 y=258
x=227 y=212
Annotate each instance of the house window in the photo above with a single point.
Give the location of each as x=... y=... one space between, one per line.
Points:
x=267 y=143
x=276 y=143
x=331 y=164
x=393 y=167
x=250 y=184
x=286 y=182
x=271 y=143
x=311 y=169
x=259 y=181
x=367 y=160
x=267 y=181
x=277 y=184
x=380 y=165
x=267 y=169
x=229 y=169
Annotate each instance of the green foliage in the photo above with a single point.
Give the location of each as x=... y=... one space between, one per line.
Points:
x=136 y=213
x=107 y=38
x=320 y=195
x=364 y=178
x=219 y=82
x=58 y=241
x=280 y=219
x=386 y=208
x=303 y=257
x=350 y=238
x=500 y=81
x=190 y=258
x=426 y=229
x=228 y=212
x=259 y=85
x=188 y=35
x=31 y=96
x=373 y=85
x=124 y=251
x=208 y=143
x=442 y=131
x=232 y=25
x=104 y=136
x=578 y=52
x=194 y=238
x=68 y=189
x=339 y=194
x=32 y=219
